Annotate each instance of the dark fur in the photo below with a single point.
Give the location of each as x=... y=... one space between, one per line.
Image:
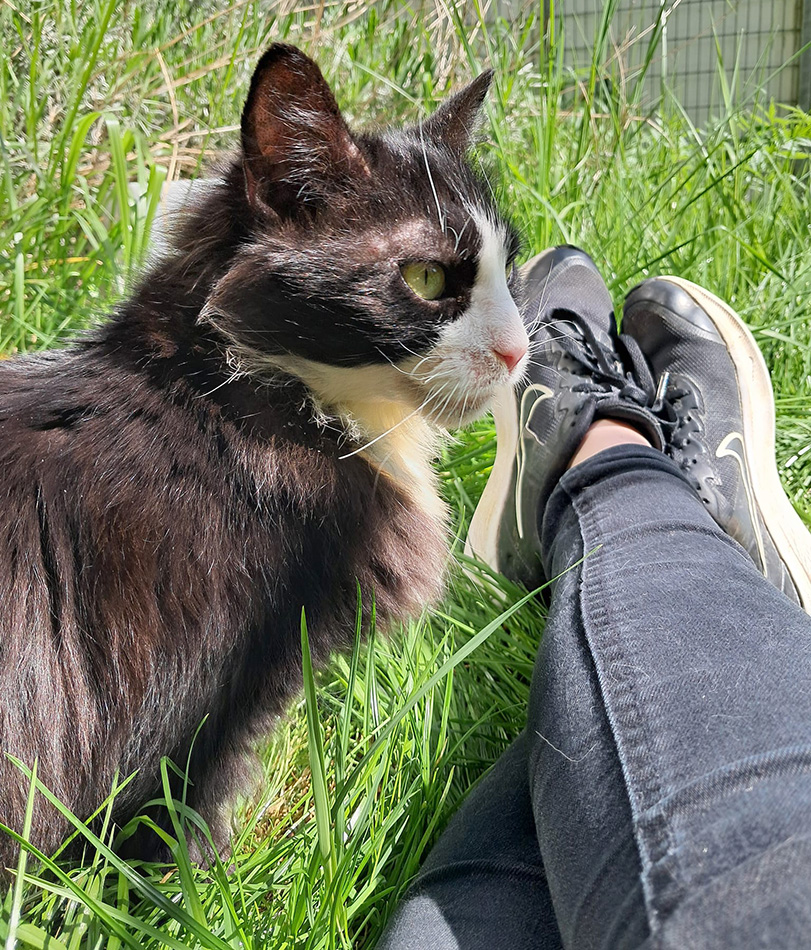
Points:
x=162 y=522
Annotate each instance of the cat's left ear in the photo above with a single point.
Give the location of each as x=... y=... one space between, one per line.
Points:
x=454 y=122
x=296 y=145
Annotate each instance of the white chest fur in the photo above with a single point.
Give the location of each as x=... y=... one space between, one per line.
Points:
x=375 y=406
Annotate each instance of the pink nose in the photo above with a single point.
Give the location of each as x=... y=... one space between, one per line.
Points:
x=511 y=356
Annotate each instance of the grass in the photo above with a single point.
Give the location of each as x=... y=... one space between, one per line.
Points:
x=360 y=779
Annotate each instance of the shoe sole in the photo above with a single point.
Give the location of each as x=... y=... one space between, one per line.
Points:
x=482 y=535
x=788 y=531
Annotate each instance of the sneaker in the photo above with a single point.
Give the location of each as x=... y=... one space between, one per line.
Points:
x=575 y=376
x=720 y=406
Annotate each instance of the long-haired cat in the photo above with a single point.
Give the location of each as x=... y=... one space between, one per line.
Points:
x=249 y=434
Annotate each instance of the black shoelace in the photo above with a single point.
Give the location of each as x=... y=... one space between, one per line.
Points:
x=629 y=378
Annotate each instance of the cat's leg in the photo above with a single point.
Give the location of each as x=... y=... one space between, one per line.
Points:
x=208 y=781
x=232 y=770
x=223 y=768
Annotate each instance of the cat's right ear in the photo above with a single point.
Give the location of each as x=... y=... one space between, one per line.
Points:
x=454 y=122
x=296 y=145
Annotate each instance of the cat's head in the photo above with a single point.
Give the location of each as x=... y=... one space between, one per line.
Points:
x=376 y=266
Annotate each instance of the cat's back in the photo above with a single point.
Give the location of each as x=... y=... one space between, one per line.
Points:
x=31 y=386
x=89 y=413
x=50 y=401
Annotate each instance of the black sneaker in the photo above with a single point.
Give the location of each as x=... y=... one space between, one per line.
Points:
x=721 y=434
x=575 y=376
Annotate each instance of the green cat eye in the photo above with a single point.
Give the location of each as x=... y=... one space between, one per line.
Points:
x=425 y=278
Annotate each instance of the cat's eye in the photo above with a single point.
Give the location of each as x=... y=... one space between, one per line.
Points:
x=425 y=278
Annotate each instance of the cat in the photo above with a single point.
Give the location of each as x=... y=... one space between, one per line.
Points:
x=250 y=433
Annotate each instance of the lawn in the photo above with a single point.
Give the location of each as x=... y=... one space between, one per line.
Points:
x=102 y=102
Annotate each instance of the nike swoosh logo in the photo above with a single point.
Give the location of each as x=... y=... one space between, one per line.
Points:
x=731 y=446
x=531 y=398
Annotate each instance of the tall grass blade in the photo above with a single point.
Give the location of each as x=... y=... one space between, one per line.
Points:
x=462 y=653
x=119 y=142
x=180 y=852
x=318 y=765
x=19 y=880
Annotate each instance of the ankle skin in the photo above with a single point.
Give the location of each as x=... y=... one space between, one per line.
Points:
x=605 y=434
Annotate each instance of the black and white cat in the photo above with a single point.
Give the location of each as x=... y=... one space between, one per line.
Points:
x=250 y=434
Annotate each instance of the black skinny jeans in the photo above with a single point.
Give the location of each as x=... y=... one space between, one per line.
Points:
x=660 y=796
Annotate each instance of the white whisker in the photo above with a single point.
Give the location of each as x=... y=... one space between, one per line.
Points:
x=439 y=212
x=462 y=412
x=382 y=435
x=444 y=406
x=409 y=350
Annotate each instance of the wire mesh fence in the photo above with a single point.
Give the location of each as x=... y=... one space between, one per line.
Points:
x=758 y=47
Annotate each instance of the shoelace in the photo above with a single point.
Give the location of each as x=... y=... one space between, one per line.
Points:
x=610 y=375
x=684 y=420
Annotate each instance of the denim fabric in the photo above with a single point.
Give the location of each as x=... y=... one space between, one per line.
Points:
x=667 y=756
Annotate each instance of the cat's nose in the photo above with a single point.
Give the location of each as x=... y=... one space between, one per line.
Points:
x=511 y=356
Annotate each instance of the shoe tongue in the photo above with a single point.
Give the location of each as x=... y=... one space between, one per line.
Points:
x=599 y=342
x=577 y=285
x=639 y=366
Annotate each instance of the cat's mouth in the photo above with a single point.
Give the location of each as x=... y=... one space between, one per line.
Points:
x=452 y=393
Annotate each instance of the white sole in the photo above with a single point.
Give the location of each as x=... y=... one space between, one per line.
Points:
x=788 y=531
x=482 y=535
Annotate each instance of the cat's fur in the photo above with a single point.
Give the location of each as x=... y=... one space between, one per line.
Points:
x=179 y=485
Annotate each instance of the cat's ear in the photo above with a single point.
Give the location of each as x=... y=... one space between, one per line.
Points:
x=454 y=122
x=295 y=143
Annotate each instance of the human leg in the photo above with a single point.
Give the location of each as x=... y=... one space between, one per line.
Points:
x=668 y=752
x=671 y=765
x=606 y=434
x=699 y=672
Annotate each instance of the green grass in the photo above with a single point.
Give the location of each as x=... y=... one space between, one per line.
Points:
x=366 y=771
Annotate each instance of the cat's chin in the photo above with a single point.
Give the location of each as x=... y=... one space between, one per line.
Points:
x=463 y=411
